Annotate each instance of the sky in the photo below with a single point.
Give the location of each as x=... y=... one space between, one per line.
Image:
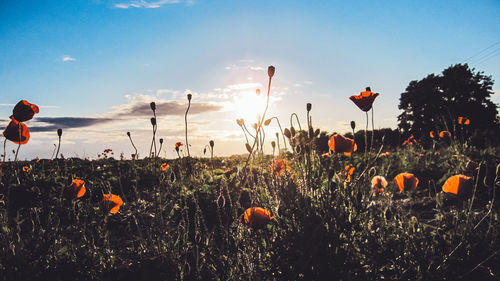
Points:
x=93 y=67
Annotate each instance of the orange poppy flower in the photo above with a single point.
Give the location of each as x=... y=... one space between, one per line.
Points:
x=111 y=202
x=341 y=144
x=325 y=155
x=77 y=188
x=459 y=185
x=365 y=99
x=15 y=130
x=178 y=144
x=463 y=121
x=444 y=134
x=24 y=111
x=379 y=183
x=26 y=169
x=279 y=166
x=406 y=181
x=410 y=141
x=349 y=171
x=257 y=217
x=432 y=135
x=164 y=166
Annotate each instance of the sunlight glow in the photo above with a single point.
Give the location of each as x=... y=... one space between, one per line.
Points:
x=248 y=105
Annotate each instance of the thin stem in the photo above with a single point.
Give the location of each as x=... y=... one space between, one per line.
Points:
x=159 y=150
x=296 y=117
x=130 y=137
x=245 y=126
x=58 y=146
x=19 y=145
x=246 y=137
x=185 y=119
x=366 y=133
x=4 y=151
x=279 y=125
x=373 y=131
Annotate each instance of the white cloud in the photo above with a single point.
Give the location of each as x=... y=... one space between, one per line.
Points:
x=145 y=4
x=308 y=82
x=256 y=68
x=246 y=60
x=68 y=58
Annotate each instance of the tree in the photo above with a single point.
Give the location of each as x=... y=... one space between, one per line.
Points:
x=436 y=102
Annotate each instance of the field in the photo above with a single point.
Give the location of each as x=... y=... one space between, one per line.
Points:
x=185 y=221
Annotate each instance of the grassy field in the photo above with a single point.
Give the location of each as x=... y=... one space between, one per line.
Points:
x=186 y=222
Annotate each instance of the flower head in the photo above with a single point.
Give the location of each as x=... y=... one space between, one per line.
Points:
x=26 y=169
x=410 y=141
x=77 y=188
x=379 y=183
x=341 y=144
x=444 y=134
x=406 y=181
x=164 y=166
x=463 y=121
x=178 y=144
x=257 y=217
x=365 y=99
x=24 y=111
x=460 y=185
x=17 y=132
x=111 y=203
x=279 y=166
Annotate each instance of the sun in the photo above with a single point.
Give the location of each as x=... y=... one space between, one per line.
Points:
x=249 y=105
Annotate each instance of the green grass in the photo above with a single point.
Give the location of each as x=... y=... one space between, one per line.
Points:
x=186 y=223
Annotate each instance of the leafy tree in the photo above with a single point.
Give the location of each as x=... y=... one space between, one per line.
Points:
x=436 y=102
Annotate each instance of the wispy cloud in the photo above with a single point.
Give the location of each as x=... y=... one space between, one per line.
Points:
x=40 y=106
x=48 y=124
x=145 y=4
x=68 y=58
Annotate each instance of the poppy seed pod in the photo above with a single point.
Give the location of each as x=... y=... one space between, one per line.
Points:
x=153 y=121
x=239 y=122
x=368 y=88
x=270 y=71
x=153 y=105
x=59 y=132
x=161 y=141
x=308 y=106
x=287 y=133
x=249 y=148
x=311 y=132
x=267 y=122
x=128 y=134
x=189 y=97
x=292 y=130
x=273 y=144
x=316 y=133
x=353 y=125
x=204 y=150
x=212 y=143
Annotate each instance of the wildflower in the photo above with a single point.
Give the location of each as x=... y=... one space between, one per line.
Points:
x=257 y=217
x=349 y=171
x=164 y=166
x=178 y=144
x=111 y=203
x=459 y=185
x=365 y=99
x=279 y=166
x=325 y=155
x=379 y=183
x=384 y=154
x=341 y=144
x=410 y=141
x=26 y=169
x=77 y=188
x=24 y=111
x=444 y=134
x=432 y=134
x=406 y=181
x=463 y=121
x=17 y=132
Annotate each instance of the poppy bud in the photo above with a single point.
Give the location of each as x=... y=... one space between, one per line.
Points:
x=277 y=135
x=273 y=144
x=316 y=133
x=239 y=122
x=212 y=143
x=59 y=132
x=257 y=92
x=254 y=125
x=153 y=121
x=287 y=133
x=249 y=148
x=311 y=132
x=204 y=150
x=189 y=97
x=292 y=130
x=128 y=134
x=153 y=105
x=267 y=122
x=308 y=106
x=353 y=125
x=270 y=71
x=368 y=89
x=161 y=141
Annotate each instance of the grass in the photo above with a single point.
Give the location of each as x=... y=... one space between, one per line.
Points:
x=186 y=223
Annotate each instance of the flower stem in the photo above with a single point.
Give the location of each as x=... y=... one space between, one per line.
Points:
x=185 y=119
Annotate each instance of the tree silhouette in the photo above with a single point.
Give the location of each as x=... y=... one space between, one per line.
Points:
x=436 y=102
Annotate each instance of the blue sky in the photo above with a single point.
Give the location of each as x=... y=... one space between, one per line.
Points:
x=101 y=60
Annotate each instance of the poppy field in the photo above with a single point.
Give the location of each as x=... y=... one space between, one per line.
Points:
x=322 y=206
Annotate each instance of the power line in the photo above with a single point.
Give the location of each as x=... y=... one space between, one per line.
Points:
x=496 y=53
x=484 y=50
